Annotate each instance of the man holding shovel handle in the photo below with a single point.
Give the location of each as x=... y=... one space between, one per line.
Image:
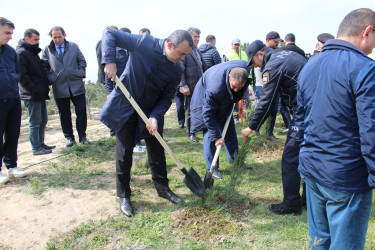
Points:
x=212 y=103
x=151 y=76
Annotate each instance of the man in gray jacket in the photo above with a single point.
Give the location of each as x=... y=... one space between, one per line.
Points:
x=65 y=67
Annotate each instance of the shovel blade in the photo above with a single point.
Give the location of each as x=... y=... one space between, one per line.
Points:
x=208 y=180
x=193 y=181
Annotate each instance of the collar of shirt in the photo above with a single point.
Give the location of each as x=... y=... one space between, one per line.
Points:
x=62 y=47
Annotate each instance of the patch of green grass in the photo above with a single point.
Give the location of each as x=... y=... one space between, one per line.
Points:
x=35 y=187
x=234 y=214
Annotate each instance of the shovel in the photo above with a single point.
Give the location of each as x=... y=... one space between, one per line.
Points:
x=192 y=178
x=208 y=179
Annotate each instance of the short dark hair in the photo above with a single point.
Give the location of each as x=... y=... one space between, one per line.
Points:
x=179 y=36
x=125 y=29
x=54 y=28
x=112 y=27
x=210 y=38
x=240 y=74
x=144 y=30
x=290 y=37
x=29 y=33
x=6 y=22
x=354 y=22
x=196 y=30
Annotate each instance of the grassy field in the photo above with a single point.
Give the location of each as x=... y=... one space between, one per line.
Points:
x=234 y=214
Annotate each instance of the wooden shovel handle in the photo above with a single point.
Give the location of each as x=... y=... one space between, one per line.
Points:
x=216 y=156
x=145 y=119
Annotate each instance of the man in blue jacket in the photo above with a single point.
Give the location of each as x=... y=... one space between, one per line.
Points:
x=151 y=75
x=10 y=103
x=336 y=121
x=280 y=72
x=215 y=93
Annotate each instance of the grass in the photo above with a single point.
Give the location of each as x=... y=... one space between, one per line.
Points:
x=234 y=214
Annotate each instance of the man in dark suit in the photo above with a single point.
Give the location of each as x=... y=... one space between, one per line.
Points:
x=151 y=76
x=194 y=68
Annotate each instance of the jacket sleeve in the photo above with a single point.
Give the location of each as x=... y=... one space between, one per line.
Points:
x=25 y=81
x=364 y=92
x=47 y=68
x=114 y=38
x=210 y=109
x=183 y=82
x=81 y=62
x=269 y=95
x=216 y=57
x=299 y=115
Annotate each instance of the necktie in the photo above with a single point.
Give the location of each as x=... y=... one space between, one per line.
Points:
x=60 y=52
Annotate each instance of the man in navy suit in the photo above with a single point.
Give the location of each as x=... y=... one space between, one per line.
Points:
x=151 y=76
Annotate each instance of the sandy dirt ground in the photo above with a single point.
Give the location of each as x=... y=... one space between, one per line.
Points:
x=27 y=221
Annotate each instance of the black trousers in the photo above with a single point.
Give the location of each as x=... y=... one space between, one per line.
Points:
x=179 y=99
x=187 y=102
x=124 y=151
x=289 y=170
x=63 y=104
x=10 y=124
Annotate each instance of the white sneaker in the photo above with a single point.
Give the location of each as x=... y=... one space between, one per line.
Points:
x=3 y=178
x=16 y=172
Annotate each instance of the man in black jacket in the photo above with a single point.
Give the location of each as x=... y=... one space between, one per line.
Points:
x=34 y=90
x=280 y=72
x=290 y=44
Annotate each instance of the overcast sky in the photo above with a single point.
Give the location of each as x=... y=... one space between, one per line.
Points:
x=84 y=21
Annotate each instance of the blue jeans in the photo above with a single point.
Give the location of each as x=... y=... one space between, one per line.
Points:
x=38 y=118
x=339 y=219
x=231 y=145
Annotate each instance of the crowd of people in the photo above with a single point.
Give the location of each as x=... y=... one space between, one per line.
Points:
x=327 y=101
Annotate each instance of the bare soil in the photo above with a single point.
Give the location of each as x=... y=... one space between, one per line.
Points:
x=27 y=221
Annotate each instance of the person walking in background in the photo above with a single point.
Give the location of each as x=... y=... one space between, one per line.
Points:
x=34 y=90
x=10 y=103
x=336 y=121
x=65 y=66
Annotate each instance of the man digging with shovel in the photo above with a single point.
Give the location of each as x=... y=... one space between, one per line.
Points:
x=212 y=103
x=151 y=76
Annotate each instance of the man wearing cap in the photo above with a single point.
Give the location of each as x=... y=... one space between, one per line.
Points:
x=280 y=71
x=234 y=53
x=272 y=42
x=273 y=39
x=322 y=39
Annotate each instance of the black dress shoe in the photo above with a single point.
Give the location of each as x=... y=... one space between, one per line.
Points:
x=169 y=195
x=193 y=138
x=84 y=140
x=48 y=147
x=126 y=207
x=282 y=209
x=70 y=143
